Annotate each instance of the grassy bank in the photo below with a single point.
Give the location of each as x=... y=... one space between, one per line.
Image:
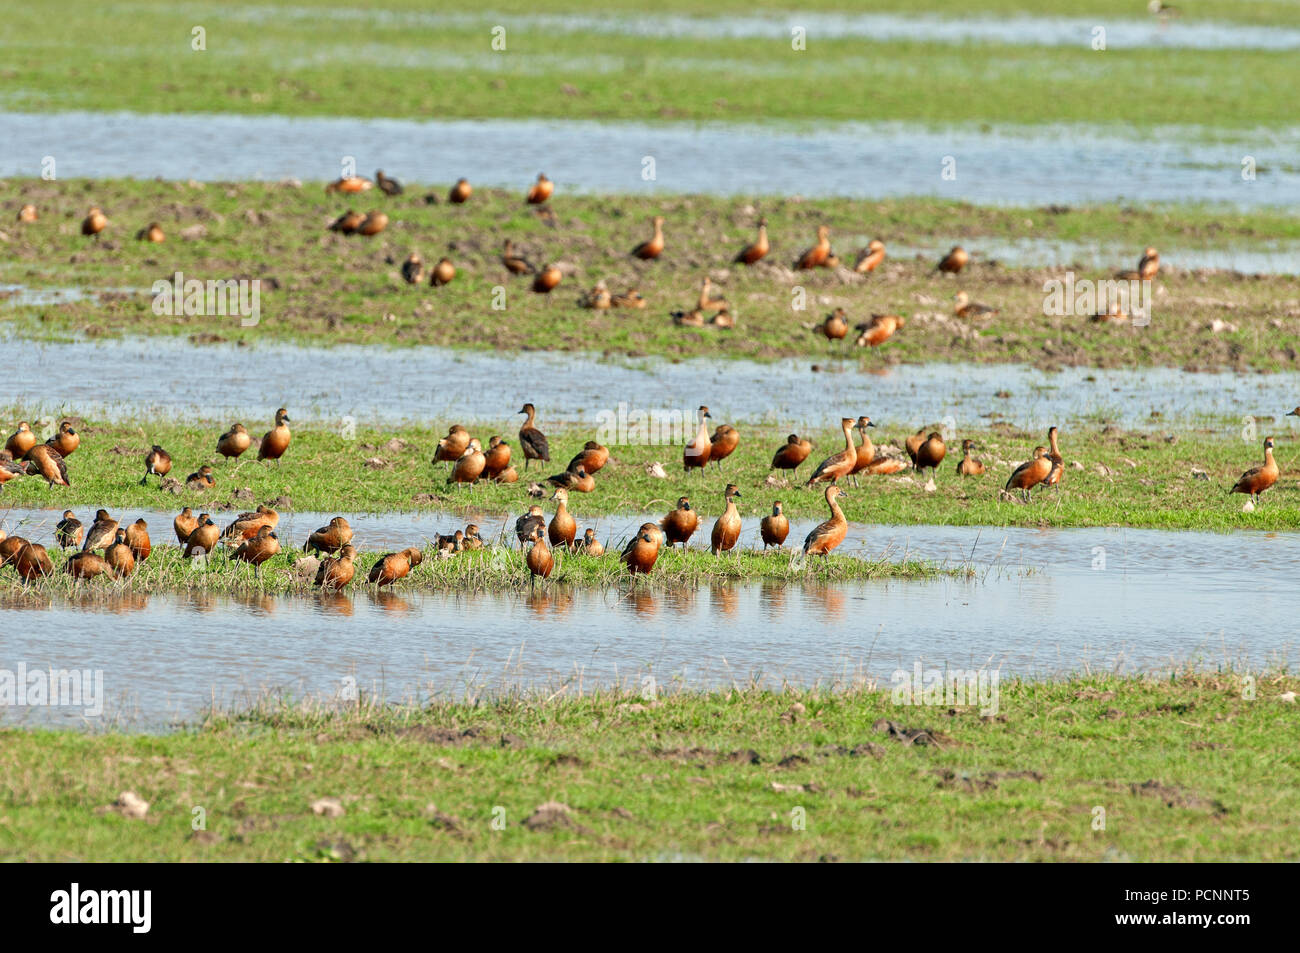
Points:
x=569 y=60
x=1128 y=478
x=318 y=286
x=1185 y=768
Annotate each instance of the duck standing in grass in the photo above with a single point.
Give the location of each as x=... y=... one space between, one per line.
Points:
x=541 y=191
x=969 y=465
x=386 y=185
x=460 y=192
x=453 y=446
x=394 y=566
x=836 y=325
x=335 y=573
x=870 y=258
x=592 y=457
x=775 y=527
x=8 y=468
x=563 y=527
x=964 y=307
x=1258 y=479
x=20 y=441
x=696 y=453
x=680 y=524
x=652 y=247
x=953 y=262
x=496 y=459
x=791 y=454
x=642 y=550
x=840 y=464
x=137 y=540
x=1030 y=474
x=589 y=545
x=247 y=525
x=878 y=330
x=157 y=462
x=184 y=524
x=276 y=441
x=831 y=533
x=33 y=562
x=102 y=532
x=258 y=549
x=119 y=556
x=66 y=441
x=757 y=251
x=579 y=480
x=817 y=255
x=44 y=460
x=94 y=222
x=86 y=566
x=69 y=533
x=1058 y=461
x=530 y=521
x=531 y=439
x=234 y=441
x=203 y=539
x=515 y=263
x=201 y=479
x=470 y=466
x=931 y=453
x=443 y=273
x=726 y=531
x=413 y=269
x=723 y=444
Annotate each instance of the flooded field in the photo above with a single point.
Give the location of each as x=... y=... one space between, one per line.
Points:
x=1015 y=165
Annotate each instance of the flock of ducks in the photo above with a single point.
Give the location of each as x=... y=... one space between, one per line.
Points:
x=329 y=553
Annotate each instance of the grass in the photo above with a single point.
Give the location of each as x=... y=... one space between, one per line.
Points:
x=395 y=59
x=1147 y=479
x=1186 y=767
x=319 y=287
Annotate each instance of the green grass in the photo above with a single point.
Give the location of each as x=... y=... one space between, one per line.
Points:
x=389 y=59
x=1189 y=767
x=324 y=472
x=332 y=289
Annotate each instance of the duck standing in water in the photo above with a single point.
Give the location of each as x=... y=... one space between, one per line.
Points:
x=831 y=533
x=1258 y=479
x=775 y=527
x=726 y=531
x=680 y=524
x=539 y=560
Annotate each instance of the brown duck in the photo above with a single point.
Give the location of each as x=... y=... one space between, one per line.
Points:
x=531 y=439
x=276 y=441
x=157 y=462
x=234 y=441
x=652 y=247
x=775 y=527
x=1258 y=479
x=792 y=453
x=642 y=550
x=335 y=573
x=258 y=549
x=726 y=531
x=831 y=533
x=330 y=538
x=69 y=533
x=680 y=524
x=696 y=453
x=563 y=527
x=969 y=465
x=137 y=540
x=102 y=532
x=119 y=557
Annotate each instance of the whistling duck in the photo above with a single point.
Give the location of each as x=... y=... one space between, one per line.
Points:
x=8 y=468
x=497 y=457
x=878 y=330
x=335 y=573
x=200 y=480
x=443 y=272
x=153 y=233
x=775 y=527
x=642 y=550
x=94 y=222
x=871 y=257
x=413 y=269
x=726 y=531
x=706 y=301
x=508 y=475
x=913 y=443
x=516 y=264
x=688 y=319
x=547 y=279
x=931 y=453
x=589 y=545
x=394 y=566
x=27 y=213
x=831 y=533
x=329 y=539
x=533 y=519
x=629 y=299
x=452 y=446
x=66 y=441
x=968 y=465
x=1031 y=473
x=247 y=525
x=758 y=250
x=1258 y=479
x=964 y=307
x=32 y=561
x=792 y=453
x=48 y=462
x=598 y=298
x=348 y=222
x=539 y=560
x=953 y=262
x=869 y=460
x=204 y=537
x=69 y=533
x=653 y=247
x=723 y=443
x=373 y=223
x=386 y=185
x=836 y=325
x=723 y=319
x=119 y=556
x=563 y=526
x=447 y=545
x=276 y=441
x=696 y=453
x=680 y=524
x=473 y=539
x=1148 y=266
x=86 y=566
x=541 y=190
x=531 y=439
x=21 y=441
x=460 y=192
x=816 y=256
x=9 y=548
x=350 y=184
x=157 y=462
x=592 y=457
x=470 y=466
x=234 y=441
x=258 y=549
x=137 y=540
x=839 y=464
x=184 y=524
x=577 y=479
x=1058 y=462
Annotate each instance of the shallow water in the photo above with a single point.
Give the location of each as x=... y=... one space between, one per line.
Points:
x=1161 y=599
x=1017 y=165
x=331 y=384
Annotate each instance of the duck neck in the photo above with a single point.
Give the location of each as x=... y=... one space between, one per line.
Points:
x=867 y=445
x=836 y=513
x=1269 y=462
x=848 y=439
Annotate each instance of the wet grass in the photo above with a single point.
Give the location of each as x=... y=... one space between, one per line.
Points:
x=1185 y=767
x=322 y=288
x=309 y=59
x=1113 y=477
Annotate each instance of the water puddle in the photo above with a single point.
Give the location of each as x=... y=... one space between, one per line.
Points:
x=1159 y=600
x=1274 y=258
x=998 y=165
